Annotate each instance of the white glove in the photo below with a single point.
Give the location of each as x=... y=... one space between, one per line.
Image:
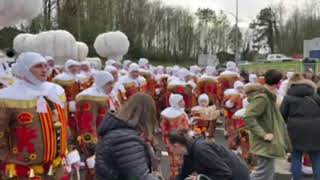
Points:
x=229 y=104
x=91 y=162
x=69 y=169
x=73 y=157
x=240 y=113
x=72 y=106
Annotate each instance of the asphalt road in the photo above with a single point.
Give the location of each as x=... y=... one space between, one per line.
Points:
x=282 y=167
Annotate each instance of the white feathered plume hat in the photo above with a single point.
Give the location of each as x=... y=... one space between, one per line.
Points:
x=59 y=44
x=82 y=50
x=112 y=45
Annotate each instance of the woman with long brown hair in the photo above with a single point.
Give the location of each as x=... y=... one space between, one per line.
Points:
x=122 y=152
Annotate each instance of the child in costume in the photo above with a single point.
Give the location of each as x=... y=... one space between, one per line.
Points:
x=204 y=117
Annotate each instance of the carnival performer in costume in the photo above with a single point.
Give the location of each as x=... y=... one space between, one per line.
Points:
x=161 y=90
x=125 y=67
x=145 y=71
x=233 y=102
x=174 y=118
x=133 y=82
x=228 y=78
x=284 y=84
x=208 y=84
x=204 y=117
x=53 y=71
x=87 y=72
x=196 y=72
x=92 y=105
x=182 y=85
x=33 y=128
x=253 y=78
x=243 y=133
x=119 y=92
x=71 y=82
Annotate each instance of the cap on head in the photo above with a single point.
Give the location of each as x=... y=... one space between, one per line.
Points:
x=70 y=63
x=203 y=97
x=101 y=78
x=143 y=62
x=133 y=67
x=174 y=100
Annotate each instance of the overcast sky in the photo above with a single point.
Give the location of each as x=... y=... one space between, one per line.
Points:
x=248 y=9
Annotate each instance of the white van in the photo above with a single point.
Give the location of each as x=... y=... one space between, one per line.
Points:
x=278 y=57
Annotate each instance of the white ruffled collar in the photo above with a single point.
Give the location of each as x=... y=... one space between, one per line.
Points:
x=171 y=112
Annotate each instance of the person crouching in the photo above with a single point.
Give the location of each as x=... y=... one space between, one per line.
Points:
x=207 y=158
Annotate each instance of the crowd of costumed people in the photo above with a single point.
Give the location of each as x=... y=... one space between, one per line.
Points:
x=64 y=115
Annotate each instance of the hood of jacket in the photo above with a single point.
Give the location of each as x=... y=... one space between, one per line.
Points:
x=253 y=90
x=301 y=88
x=110 y=123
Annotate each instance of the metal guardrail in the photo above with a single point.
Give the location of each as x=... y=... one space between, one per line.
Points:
x=282 y=66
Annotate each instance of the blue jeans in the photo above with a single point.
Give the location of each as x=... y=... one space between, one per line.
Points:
x=296 y=158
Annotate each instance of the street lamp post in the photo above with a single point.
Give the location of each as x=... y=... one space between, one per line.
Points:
x=236 y=38
x=236 y=54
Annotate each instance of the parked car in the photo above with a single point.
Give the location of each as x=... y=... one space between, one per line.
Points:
x=297 y=57
x=278 y=57
x=244 y=62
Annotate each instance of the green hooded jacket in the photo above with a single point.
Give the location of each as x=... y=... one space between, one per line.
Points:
x=262 y=116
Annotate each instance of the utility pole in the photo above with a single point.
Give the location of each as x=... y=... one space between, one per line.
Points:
x=237 y=37
x=79 y=19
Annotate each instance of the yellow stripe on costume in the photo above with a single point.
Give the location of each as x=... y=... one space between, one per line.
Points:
x=92 y=98
x=63 y=82
x=20 y=104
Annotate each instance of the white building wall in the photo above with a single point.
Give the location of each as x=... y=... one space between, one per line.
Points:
x=310 y=45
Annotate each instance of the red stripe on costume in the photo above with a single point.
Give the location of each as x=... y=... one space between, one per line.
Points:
x=49 y=136
x=53 y=137
x=45 y=137
x=63 y=120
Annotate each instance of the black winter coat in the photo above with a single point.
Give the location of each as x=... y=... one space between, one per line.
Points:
x=301 y=111
x=121 y=154
x=214 y=161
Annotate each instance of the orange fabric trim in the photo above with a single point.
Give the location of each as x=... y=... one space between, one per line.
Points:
x=65 y=125
x=63 y=120
x=45 y=136
x=64 y=136
x=53 y=132
x=49 y=136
